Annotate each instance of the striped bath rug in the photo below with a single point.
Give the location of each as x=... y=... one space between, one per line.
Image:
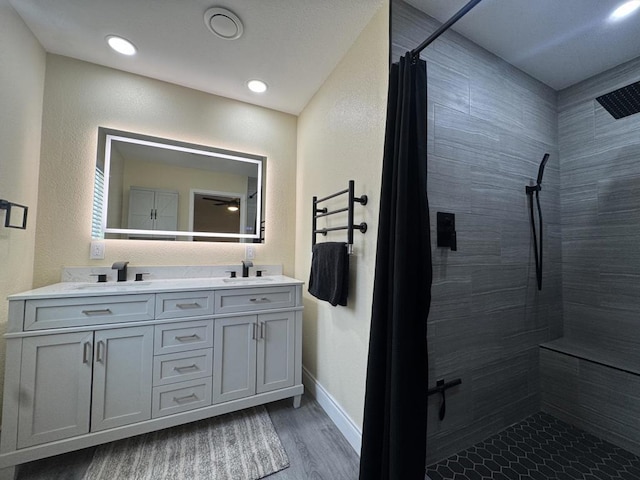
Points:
x=237 y=446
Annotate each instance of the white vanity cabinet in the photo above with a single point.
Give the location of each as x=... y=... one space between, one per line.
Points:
x=122 y=377
x=151 y=209
x=253 y=354
x=73 y=383
x=90 y=365
x=55 y=387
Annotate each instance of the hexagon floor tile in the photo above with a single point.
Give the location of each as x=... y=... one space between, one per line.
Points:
x=540 y=447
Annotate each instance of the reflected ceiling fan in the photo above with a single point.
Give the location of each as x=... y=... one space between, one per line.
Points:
x=232 y=204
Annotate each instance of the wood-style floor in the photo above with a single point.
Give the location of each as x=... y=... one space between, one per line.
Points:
x=316 y=449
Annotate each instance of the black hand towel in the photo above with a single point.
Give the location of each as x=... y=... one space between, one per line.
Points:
x=329 y=278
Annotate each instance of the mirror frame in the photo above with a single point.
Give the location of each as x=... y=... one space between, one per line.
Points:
x=107 y=135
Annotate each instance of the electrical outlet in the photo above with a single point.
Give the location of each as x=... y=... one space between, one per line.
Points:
x=96 y=251
x=249 y=252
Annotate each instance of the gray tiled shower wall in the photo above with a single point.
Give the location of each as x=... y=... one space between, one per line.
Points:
x=600 y=199
x=601 y=215
x=489 y=126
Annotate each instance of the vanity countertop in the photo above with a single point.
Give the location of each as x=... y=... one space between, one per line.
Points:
x=86 y=289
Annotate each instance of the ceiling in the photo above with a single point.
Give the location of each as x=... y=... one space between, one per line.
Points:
x=292 y=45
x=559 y=42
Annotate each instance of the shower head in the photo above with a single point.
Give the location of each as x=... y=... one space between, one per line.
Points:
x=622 y=102
x=541 y=169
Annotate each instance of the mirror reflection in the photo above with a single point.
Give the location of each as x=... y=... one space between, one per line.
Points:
x=158 y=189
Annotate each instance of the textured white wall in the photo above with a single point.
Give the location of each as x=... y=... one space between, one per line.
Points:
x=22 y=61
x=341 y=137
x=80 y=97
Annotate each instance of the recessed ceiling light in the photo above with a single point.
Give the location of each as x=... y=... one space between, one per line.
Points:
x=121 y=45
x=257 y=86
x=624 y=10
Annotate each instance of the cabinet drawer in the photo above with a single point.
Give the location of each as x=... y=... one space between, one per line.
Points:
x=250 y=299
x=72 y=312
x=183 y=366
x=180 y=397
x=183 y=336
x=184 y=304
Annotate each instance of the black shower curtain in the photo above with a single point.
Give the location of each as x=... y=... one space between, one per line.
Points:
x=395 y=414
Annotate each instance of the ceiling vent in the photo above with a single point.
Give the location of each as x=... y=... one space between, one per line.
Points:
x=223 y=23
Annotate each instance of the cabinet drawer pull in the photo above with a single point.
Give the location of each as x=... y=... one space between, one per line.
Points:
x=86 y=352
x=186 y=306
x=186 y=367
x=104 y=311
x=263 y=299
x=185 y=338
x=187 y=397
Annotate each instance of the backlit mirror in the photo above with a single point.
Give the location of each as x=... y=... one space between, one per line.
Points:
x=152 y=188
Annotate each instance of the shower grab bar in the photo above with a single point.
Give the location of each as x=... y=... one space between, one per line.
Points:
x=440 y=388
x=324 y=212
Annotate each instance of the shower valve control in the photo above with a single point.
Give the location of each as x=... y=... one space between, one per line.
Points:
x=446 y=230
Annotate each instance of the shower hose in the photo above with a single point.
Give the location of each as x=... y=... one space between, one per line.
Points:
x=537 y=248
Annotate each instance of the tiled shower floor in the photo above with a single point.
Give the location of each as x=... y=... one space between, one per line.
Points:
x=540 y=447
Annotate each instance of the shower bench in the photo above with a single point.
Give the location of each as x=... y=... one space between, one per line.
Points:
x=593 y=388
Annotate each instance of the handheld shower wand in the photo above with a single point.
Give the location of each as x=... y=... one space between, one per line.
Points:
x=541 y=168
x=530 y=190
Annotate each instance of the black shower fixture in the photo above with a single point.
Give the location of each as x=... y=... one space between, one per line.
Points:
x=530 y=190
x=622 y=102
x=446 y=230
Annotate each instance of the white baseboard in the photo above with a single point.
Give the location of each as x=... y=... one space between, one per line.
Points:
x=333 y=409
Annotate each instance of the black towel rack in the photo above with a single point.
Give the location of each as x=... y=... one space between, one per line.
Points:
x=324 y=212
x=14 y=210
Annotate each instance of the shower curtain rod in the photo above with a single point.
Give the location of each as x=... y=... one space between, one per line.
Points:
x=444 y=27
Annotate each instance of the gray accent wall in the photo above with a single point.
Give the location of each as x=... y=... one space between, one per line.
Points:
x=591 y=377
x=601 y=215
x=489 y=125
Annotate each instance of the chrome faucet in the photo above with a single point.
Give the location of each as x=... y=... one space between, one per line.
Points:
x=121 y=267
x=245 y=268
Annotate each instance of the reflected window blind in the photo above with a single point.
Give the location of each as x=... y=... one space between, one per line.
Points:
x=98 y=197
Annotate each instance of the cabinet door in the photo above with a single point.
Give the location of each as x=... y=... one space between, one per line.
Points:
x=122 y=377
x=141 y=209
x=234 y=358
x=55 y=393
x=166 y=211
x=276 y=344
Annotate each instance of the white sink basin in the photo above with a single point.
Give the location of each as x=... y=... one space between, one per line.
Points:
x=103 y=285
x=245 y=281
